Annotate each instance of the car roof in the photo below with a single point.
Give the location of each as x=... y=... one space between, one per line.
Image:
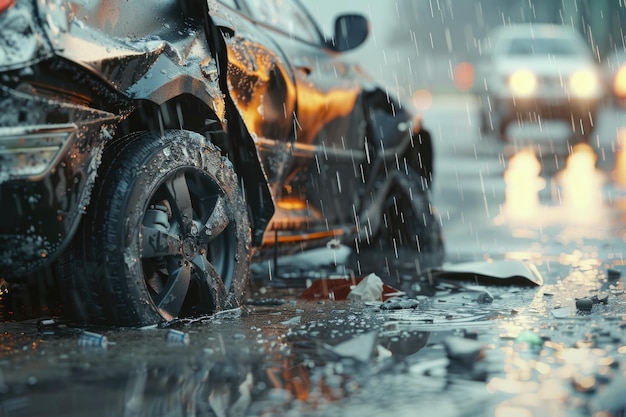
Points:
x=504 y=35
x=535 y=31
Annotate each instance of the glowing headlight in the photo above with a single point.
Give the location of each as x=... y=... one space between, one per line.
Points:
x=522 y=83
x=583 y=83
x=619 y=82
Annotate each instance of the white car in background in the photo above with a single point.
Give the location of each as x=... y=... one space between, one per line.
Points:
x=537 y=73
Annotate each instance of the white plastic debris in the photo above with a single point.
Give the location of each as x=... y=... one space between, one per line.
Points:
x=291 y=321
x=361 y=348
x=369 y=289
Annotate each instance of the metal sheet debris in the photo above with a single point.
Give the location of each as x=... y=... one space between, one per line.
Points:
x=505 y=271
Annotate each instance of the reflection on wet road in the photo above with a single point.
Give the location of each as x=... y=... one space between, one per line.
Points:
x=539 y=186
x=461 y=348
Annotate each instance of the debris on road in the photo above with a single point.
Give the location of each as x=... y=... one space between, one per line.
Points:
x=339 y=288
x=584 y=304
x=560 y=313
x=177 y=337
x=362 y=348
x=613 y=274
x=464 y=294
x=587 y=303
x=399 y=303
x=50 y=325
x=291 y=321
x=369 y=289
x=92 y=340
x=495 y=272
x=479 y=294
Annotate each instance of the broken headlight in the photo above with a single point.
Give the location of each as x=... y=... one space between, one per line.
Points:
x=31 y=151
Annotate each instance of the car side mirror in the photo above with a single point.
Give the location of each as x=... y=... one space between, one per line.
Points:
x=351 y=30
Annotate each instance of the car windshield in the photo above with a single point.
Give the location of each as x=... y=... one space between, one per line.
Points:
x=541 y=46
x=287 y=16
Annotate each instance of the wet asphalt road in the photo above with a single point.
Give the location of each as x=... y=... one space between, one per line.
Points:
x=498 y=350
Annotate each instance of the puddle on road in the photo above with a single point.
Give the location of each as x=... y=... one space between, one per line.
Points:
x=462 y=350
x=283 y=356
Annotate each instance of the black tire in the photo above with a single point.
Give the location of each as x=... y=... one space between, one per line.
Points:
x=409 y=239
x=167 y=234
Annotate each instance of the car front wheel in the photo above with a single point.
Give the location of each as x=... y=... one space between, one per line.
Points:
x=167 y=234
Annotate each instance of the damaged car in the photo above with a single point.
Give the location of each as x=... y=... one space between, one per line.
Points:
x=149 y=154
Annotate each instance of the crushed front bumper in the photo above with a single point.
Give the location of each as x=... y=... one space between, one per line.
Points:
x=49 y=154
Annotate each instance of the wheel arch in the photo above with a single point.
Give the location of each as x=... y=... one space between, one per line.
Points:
x=393 y=129
x=200 y=96
x=184 y=111
x=188 y=112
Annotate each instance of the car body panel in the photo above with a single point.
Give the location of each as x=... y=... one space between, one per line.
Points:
x=328 y=138
x=143 y=62
x=260 y=80
x=262 y=86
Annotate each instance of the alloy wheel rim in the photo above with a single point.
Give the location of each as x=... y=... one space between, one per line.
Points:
x=188 y=245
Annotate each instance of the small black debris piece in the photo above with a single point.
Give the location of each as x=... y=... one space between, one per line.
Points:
x=399 y=303
x=586 y=303
x=46 y=324
x=50 y=325
x=613 y=274
x=603 y=300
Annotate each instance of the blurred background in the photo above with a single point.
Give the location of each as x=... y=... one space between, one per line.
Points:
x=495 y=197
x=419 y=43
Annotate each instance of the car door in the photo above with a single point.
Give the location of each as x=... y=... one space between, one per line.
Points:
x=329 y=131
x=262 y=87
